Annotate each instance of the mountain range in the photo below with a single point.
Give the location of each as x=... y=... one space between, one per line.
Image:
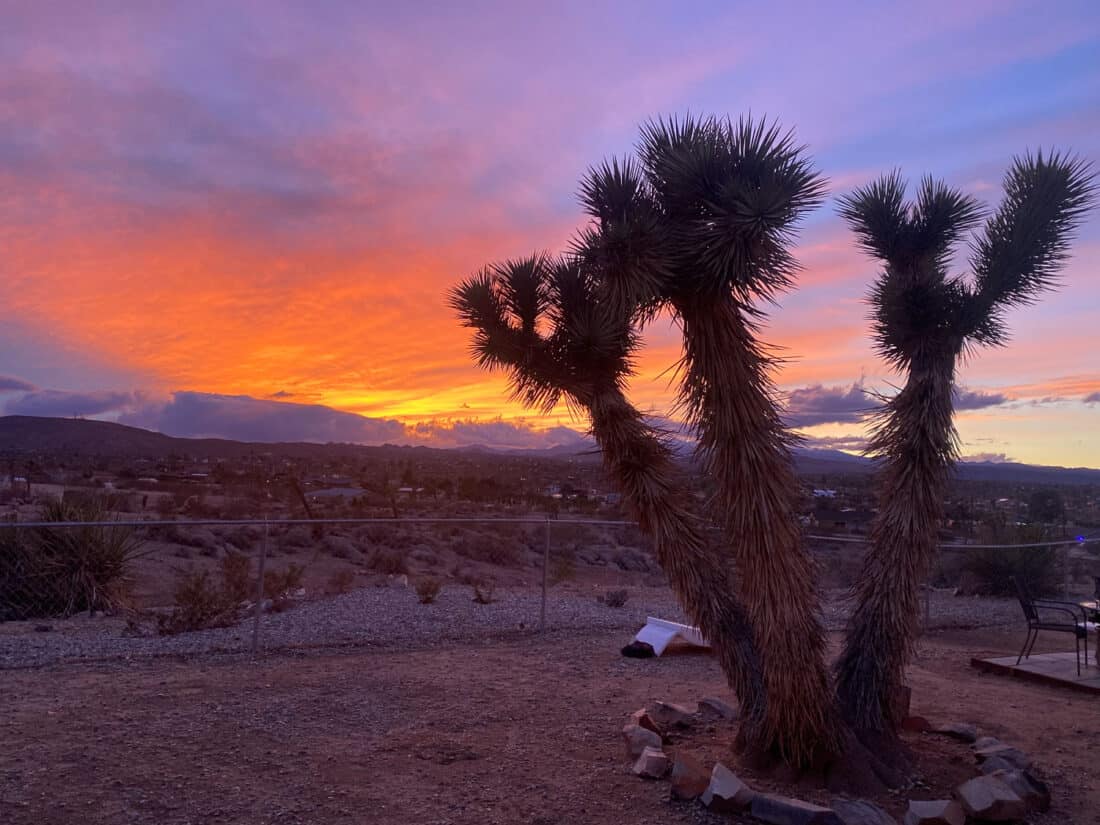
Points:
x=23 y=435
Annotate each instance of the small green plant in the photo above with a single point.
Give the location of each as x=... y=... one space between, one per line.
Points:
x=483 y=592
x=615 y=598
x=427 y=589
x=388 y=561
x=199 y=604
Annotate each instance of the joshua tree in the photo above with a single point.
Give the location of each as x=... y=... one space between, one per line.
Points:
x=924 y=322
x=701 y=227
x=546 y=324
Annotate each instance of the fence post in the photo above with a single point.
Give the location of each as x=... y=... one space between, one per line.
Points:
x=545 y=573
x=259 y=594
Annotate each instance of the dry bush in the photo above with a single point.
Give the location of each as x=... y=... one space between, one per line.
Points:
x=199 y=604
x=489 y=549
x=279 y=583
x=562 y=568
x=427 y=589
x=483 y=592
x=388 y=561
x=615 y=598
x=341 y=581
x=236 y=576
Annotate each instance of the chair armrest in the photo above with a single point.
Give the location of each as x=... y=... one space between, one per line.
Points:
x=1056 y=608
x=1076 y=608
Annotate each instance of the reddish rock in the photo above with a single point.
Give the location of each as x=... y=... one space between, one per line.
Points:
x=689 y=777
x=726 y=793
x=638 y=739
x=988 y=799
x=1013 y=756
x=716 y=709
x=642 y=720
x=667 y=716
x=1034 y=792
x=935 y=812
x=652 y=764
x=784 y=810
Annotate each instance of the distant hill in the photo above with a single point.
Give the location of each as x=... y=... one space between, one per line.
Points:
x=81 y=437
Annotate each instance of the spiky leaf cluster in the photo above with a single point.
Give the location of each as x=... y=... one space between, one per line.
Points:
x=708 y=209
x=920 y=311
x=545 y=323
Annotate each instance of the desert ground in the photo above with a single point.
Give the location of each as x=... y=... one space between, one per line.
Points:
x=510 y=727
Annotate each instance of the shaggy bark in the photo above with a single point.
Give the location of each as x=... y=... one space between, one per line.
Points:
x=916 y=440
x=652 y=488
x=746 y=451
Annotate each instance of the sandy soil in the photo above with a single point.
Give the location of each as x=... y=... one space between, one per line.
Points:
x=518 y=730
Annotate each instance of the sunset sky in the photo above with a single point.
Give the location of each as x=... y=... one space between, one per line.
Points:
x=241 y=219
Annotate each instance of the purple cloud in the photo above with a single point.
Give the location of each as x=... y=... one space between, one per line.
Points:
x=977 y=399
x=1092 y=398
x=57 y=403
x=811 y=406
x=243 y=418
x=9 y=383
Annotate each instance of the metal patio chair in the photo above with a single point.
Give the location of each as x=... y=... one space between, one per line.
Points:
x=1036 y=621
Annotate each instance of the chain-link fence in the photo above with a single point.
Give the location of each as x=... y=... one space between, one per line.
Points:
x=111 y=589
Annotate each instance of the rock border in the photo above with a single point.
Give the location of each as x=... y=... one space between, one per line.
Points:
x=1004 y=789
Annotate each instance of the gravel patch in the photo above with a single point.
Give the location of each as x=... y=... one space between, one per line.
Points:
x=393 y=617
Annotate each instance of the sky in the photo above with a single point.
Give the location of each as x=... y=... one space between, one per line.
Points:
x=242 y=219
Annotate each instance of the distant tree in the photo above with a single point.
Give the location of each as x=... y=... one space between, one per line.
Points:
x=924 y=321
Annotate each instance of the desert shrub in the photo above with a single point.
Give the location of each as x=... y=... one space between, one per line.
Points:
x=341 y=581
x=489 y=549
x=388 y=561
x=483 y=592
x=48 y=571
x=994 y=569
x=427 y=589
x=278 y=583
x=562 y=568
x=243 y=538
x=236 y=576
x=615 y=598
x=198 y=604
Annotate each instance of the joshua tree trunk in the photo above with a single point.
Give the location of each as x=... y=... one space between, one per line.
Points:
x=652 y=487
x=916 y=440
x=746 y=451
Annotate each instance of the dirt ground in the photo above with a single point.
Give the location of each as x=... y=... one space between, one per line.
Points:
x=506 y=731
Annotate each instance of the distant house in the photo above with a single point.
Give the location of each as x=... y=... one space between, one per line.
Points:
x=824 y=493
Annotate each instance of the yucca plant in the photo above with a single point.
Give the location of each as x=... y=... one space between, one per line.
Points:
x=59 y=571
x=560 y=337
x=924 y=322
x=701 y=226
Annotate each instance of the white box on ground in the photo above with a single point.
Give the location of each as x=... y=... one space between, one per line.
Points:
x=659 y=633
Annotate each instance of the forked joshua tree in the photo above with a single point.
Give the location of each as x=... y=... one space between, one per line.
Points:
x=925 y=321
x=546 y=324
x=701 y=227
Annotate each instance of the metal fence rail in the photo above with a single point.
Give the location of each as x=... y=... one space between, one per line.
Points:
x=544 y=523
